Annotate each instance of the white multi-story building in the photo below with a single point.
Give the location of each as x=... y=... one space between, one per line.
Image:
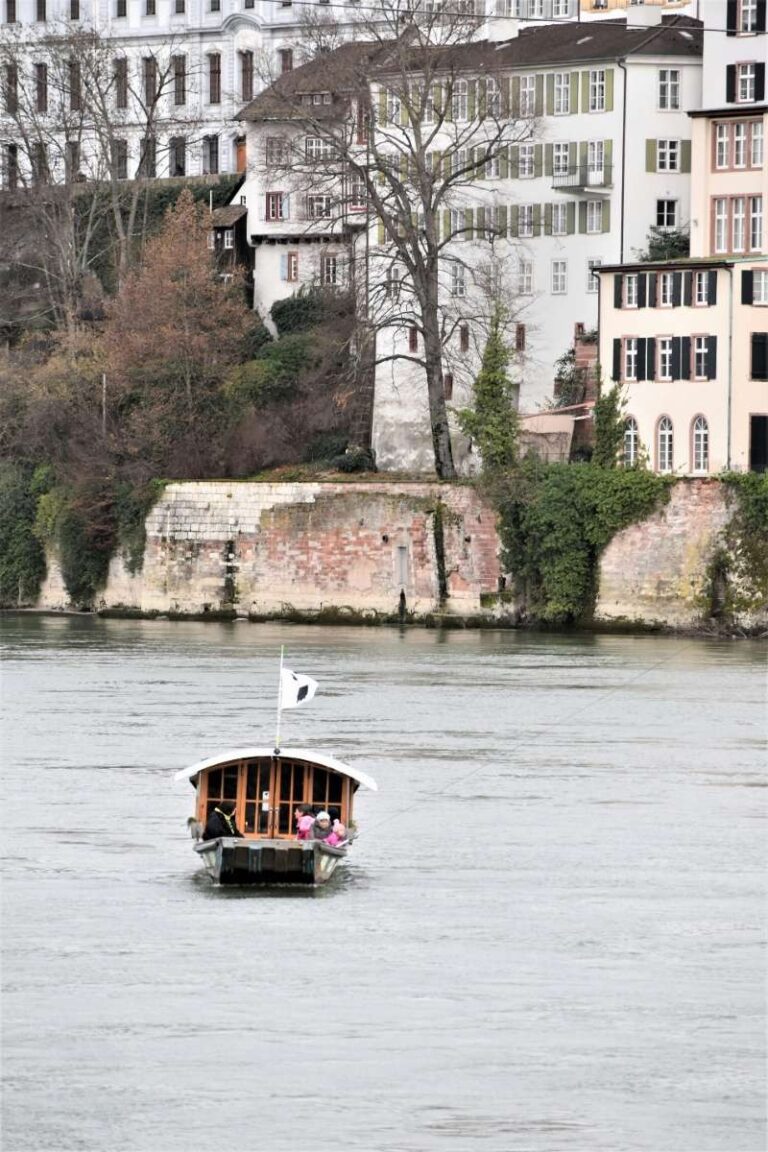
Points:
x=581 y=188
x=688 y=340
x=220 y=53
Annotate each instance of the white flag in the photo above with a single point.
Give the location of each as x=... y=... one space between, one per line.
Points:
x=295 y=689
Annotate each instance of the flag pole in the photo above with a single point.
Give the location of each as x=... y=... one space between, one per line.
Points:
x=279 y=700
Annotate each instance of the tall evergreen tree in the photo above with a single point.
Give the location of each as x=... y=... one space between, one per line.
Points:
x=493 y=423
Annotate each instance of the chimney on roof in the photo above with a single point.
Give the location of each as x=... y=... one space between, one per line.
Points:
x=499 y=25
x=644 y=16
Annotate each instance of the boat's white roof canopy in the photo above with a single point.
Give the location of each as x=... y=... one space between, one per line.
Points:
x=309 y=754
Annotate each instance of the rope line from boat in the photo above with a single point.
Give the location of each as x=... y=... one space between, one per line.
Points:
x=519 y=742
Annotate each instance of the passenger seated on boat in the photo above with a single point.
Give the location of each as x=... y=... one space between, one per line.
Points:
x=321 y=829
x=304 y=821
x=338 y=835
x=221 y=822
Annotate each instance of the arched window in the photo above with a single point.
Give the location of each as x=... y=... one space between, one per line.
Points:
x=700 y=430
x=631 y=442
x=460 y=103
x=665 y=444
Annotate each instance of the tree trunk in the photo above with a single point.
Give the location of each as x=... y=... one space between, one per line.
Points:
x=433 y=356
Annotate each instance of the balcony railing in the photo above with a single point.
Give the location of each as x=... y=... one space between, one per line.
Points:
x=578 y=177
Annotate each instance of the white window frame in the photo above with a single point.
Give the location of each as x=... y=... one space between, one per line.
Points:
x=292 y=267
x=700 y=445
x=700 y=356
x=560 y=9
x=745 y=83
x=330 y=270
x=738 y=224
x=760 y=287
x=492 y=98
x=665 y=444
x=755 y=223
x=458 y=280
x=593 y=281
x=666 y=287
x=595 y=161
x=562 y=104
x=317 y=200
x=667 y=223
x=594 y=216
x=630 y=286
x=316 y=148
x=668 y=155
x=740 y=144
x=747 y=25
x=559 y=219
x=492 y=167
x=629 y=358
x=669 y=90
x=525 y=220
x=664 y=344
x=722 y=146
x=720 y=229
x=460 y=100
x=631 y=442
x=597 y=88
x=528 y=94
x=393 y=105
x=701 y=289
x=561 y=157
x=756 y=144
x=525 y=278
x=526 y=169
x=559 y=277
x=229 y=239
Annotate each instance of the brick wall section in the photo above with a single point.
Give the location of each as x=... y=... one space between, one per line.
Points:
x=271 y=548
x=657 y=571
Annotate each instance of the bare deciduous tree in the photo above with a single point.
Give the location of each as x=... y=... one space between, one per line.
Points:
x=401 y=130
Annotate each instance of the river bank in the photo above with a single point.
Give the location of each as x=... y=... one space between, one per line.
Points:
x=395 y=553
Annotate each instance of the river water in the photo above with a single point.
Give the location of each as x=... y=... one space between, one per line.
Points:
x=549 y=936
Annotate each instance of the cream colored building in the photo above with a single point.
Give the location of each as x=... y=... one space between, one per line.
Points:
x=688 y=343
x=688 y=340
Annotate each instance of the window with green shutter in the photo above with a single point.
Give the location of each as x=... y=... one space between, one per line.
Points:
x=550 y=94
x=685 y=156
x=539 y=104
x=538 y=160
x=606 y=215
x=650 y=155
x=574 y=92
x=609 y=90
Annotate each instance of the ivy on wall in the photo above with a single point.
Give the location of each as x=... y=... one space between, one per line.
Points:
x=554 y=522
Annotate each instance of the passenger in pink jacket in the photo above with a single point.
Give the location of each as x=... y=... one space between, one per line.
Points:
x=338 y=836
x=304 y=822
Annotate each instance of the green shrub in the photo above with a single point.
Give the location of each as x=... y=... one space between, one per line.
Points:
x=22 y=556
x=355 y=460
x=556 y=519
x=741 y=566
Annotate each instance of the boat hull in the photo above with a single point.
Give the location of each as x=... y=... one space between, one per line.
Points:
x=261 y=863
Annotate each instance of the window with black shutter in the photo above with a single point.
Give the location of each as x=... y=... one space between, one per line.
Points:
x=676 y=357
x=650 y=358
x=731 y=17
x=759 y=81
x=642 y=294
x=747 y=282
x=730 y=84
x=685 y=357
x=759 y=358
x=712 y=288
x=616 y=297
x=651 y=289
x=760 y=15
x=677 y=289
x=711 y=357
x=641 y=354
x=687 y=285
x=616 y=374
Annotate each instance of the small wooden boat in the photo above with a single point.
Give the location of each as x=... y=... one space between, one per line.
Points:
x=266 y=786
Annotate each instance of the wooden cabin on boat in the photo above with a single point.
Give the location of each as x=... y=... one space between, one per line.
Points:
x=266 y=786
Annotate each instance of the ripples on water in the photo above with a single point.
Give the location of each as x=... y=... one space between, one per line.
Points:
x=548 y=937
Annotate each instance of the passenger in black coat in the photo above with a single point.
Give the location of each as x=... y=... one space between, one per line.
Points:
x=221 y=822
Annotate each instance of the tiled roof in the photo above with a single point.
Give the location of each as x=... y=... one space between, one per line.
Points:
x=351 y=66
x=228 y=215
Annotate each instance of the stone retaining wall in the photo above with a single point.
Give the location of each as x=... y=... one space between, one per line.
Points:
x=279 y=549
